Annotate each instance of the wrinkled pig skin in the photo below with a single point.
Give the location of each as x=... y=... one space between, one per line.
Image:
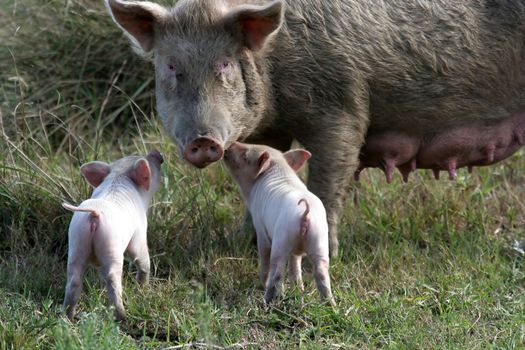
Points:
x=404 y=83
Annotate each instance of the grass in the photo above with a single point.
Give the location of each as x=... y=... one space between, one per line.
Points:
x=426 y=264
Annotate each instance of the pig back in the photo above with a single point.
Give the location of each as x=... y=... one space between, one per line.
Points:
x=439 y=63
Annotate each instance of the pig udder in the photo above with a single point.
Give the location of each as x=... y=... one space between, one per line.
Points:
x=466 y=145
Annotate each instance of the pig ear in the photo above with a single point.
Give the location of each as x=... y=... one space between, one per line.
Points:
x=254 y=24
x=137 y=19
x=296 y=158
x=141 y=174
x=95 y=172
x=263 y=163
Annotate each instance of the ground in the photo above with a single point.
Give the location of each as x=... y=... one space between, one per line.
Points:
x=428 y=264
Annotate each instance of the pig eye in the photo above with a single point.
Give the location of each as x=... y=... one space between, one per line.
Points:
x=173 y=70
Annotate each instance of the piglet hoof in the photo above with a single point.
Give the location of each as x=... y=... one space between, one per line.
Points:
x=142 y=279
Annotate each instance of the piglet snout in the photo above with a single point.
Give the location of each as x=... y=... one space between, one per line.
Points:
x=156 y=155
x=203 y=151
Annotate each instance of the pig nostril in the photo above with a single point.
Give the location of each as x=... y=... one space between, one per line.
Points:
x=195 y=149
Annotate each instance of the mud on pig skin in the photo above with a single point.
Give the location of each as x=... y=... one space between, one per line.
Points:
x=407 y=84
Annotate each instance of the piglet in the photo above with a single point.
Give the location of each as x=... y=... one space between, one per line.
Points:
x=289 y=219
x=113 y=221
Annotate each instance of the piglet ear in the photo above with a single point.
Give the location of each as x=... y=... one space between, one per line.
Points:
x=95 y=172
x=263 y=163
x=254 y=24
x=141 y=174
x=137 y=19
x=296 y=158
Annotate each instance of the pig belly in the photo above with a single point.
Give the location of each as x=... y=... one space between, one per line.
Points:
x=469 y=145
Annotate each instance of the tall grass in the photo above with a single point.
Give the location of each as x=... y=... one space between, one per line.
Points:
x=425 y=264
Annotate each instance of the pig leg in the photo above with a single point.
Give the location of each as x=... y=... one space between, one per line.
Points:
x=274 y=287
x=278 y=257
x=294 y=270
x=335 y=157
x=139 y=253
x=78 y=257
x=142 y=262
x=322 y=278
x=111 y=273
x=75 y=271
x=143 y=268
x=264 y=247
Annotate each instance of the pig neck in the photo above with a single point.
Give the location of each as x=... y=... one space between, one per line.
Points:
x=277 y=182
x=122 y=191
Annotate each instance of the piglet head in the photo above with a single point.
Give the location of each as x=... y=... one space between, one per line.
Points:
x=247 y=162
x=95 y=172
x=145 y=171
x=155 y=156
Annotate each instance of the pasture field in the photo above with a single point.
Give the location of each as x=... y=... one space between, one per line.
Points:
x=428 y=264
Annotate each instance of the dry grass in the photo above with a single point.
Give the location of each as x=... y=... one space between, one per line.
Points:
x=426 y=264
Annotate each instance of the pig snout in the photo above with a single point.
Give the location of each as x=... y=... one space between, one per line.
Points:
x=203 y=151
x=156 y=155
x=234 y=148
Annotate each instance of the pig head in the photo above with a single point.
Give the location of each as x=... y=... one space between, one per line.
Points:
x=209 y=89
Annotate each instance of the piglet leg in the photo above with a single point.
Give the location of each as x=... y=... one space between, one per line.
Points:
x=322 y=278
x=143 y=268
x=294 y=270
x=278 y=258
x=111 y=273
x=138 y=251
x=75 y=272
x=276 y=279
x=264 y=248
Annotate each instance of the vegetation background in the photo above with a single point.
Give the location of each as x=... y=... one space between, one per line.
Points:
x=428 y=264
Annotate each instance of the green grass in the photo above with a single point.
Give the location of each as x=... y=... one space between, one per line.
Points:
x=426 y=264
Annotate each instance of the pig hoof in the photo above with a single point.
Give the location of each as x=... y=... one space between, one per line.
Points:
x=332 y=302
x=269 y=296
x=120 y=319
x=334 y=250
